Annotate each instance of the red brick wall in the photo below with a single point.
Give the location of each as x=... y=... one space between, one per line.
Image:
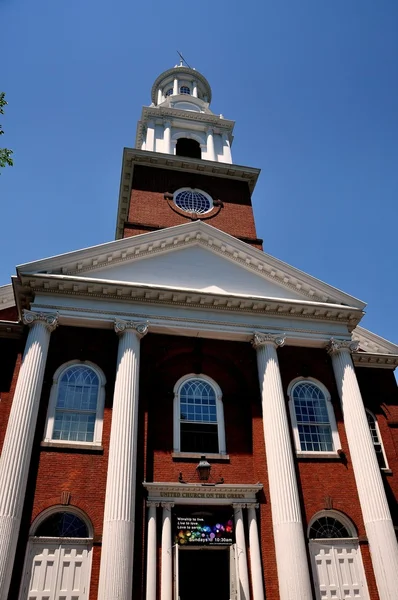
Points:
x=11 y=356
x=164 y=359
x=148 y=208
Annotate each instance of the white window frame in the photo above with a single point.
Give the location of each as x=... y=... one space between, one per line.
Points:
x=332 y=420
x=97 y=438
x=219 y=412
x=339 y=516
x=369 y=412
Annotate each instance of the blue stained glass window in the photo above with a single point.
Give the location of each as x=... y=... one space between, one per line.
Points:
x=62 y=524
x=312 y=418
x=76 y=407
x=193 y=201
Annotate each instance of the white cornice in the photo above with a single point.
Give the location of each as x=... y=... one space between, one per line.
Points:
x=7 y=299
x=373 y=343
x=75 y=264
x=375 y=360
x=132 y=157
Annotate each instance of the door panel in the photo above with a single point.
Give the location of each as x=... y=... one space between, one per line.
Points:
x=338 y=571
x=56 y=571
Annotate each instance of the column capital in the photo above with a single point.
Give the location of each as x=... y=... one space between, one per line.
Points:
x=167 y=505
x=139 y=328
x=239 y=505
x=253 y=505
x=167 y=122
x=341 y=345
x=210 y=130
x=261 y=339
x=49 y=320
x=149 y=503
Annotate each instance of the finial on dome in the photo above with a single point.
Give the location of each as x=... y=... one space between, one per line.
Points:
x=182 y=60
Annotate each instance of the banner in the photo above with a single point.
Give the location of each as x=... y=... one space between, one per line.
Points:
x=203 y=528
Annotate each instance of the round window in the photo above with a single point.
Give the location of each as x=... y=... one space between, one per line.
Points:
x=193 y=201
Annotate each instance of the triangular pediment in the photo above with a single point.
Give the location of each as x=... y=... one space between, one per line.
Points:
x=194 y=268
x=193 y=256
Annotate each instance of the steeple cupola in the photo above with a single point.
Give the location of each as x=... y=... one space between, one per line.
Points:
x=179 y=120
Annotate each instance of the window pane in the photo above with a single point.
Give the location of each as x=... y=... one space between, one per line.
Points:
x=62 y=525
x=328 y=527
x=68 y=424
x=201 y=438
x=312 y=417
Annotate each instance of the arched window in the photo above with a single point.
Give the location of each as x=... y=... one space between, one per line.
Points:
x=184 y=89
x=62 y=524
x=312 y=416
x=76 y=405
x=376 y=439
x=328 y=527
x=198 y=416
x=58 y=556
x=189 y=148
x=169 y=92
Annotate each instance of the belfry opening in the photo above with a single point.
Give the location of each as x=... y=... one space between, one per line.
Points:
x=188 y=148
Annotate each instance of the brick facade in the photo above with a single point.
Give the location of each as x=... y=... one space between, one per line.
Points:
x=149 y=210
x=164 y=359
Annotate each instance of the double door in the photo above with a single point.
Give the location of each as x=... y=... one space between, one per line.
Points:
x=338 y=570
x=56 y=571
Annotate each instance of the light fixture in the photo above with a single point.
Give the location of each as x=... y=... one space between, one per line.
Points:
x=203 y=469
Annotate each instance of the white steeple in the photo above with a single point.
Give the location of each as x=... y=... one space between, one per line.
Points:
x=179 y=120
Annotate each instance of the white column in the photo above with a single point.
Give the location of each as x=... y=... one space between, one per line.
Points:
x=18 y=442
x=290 y=545
x=255 y=555
x=195 y=89
x=167 y=137
x=160 y=96
x=166 y=577
x=150 y=136
x=151 y=552
x=376 y=514
x=211 y=153
x=241 y=552
x=116 y=572
x=175 y=86
x=226 y=148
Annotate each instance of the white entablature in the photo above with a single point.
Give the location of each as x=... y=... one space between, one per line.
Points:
x=180 y=110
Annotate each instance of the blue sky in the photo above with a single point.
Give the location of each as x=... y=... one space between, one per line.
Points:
x=312 y=85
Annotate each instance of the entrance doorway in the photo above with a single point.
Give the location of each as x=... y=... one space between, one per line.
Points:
x=204 y=573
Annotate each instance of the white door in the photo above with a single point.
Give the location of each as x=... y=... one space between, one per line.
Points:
x=55 y=571
x=338 y=571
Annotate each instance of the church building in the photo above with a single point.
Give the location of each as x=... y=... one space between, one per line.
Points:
x=183 y=416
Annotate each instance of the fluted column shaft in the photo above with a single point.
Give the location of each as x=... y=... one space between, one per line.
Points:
x=290 y=546
x=372 y=496
x=151 y=553
x=166 y=592
x=116 y=573
x=18 y=442
x=241 y=553
x=211 y=153
x=255 y=556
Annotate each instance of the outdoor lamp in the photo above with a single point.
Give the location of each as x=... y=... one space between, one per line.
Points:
x=203 y=469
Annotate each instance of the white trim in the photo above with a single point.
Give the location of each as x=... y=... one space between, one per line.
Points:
x=53 y=402
x=339 y=516
x=58 y=508
x=219 y=410
x=369 y=412
x=7 y=299
x=332 y=419
x=373 y=343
